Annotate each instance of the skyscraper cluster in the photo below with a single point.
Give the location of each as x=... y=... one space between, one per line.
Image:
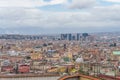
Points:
x=77 y=36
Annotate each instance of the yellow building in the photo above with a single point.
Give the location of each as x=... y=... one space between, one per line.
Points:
x=36 y=56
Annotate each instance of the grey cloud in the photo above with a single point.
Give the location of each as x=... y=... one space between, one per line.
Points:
x=110 y=13
x=81 y=4
x=37 y=21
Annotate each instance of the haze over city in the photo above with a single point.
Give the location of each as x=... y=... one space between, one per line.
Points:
x=58 y=16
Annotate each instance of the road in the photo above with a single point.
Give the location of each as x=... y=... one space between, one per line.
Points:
x=31 y=78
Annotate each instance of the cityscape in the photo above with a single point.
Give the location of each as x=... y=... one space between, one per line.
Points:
x=93 y=54
x=59 y=40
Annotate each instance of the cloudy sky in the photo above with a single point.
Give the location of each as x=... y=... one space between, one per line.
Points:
x=58 y=16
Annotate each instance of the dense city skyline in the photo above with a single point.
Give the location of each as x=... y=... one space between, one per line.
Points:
x=58 y=16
